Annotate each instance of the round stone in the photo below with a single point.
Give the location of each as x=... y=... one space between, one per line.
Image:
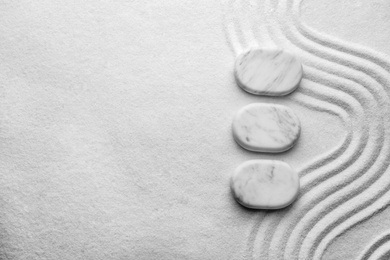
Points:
x=268 y=72
x=265 y=184
x=266 y=128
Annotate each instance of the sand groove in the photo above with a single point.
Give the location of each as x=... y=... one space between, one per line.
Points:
x=342 y=212
x=273 y=256
x=279 y=242
x=321 y=213
x=372 y=186
x=379 y=248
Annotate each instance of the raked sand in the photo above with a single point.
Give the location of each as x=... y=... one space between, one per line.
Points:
x=115 y=129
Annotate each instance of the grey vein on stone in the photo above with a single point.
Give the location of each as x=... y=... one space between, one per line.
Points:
x=265 y=184
x=266 y=128
x=268 y=72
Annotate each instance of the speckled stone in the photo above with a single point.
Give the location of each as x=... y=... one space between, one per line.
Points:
x=268 y=72
x=266 y=128
x=265 y=184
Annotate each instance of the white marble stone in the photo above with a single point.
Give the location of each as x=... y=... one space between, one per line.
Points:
x=268 y=72
x=265 y=184
x=263 y=127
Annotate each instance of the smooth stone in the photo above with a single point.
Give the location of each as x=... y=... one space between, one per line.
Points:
x=265 y=184
x=263 y=127
x=268 y=72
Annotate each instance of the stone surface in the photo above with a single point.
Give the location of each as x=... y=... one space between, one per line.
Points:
x=266 y=128
x=265 y=184
x=268 y=72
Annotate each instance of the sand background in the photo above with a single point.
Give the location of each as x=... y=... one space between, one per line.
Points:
x=115 y=139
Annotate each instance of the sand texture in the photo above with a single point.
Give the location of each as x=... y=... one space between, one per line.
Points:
x=349 y=184
x=116 y=139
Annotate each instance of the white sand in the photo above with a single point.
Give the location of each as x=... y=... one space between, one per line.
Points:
x=115 y=139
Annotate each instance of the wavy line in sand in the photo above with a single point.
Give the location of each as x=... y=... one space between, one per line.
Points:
x=325 y=94
x=332 y=155
x=331 y=42
x=268 y=42
x=377 y=72
x=232 y=40
x=379 y=248
x=329 y=156
x=272 y=221
x=322 y=95
x=314 y=79
x=383 y=253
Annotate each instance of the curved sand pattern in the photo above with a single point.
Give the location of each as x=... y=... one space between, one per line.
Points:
x=313 y=203
x=317 y=216
x=343 y=212
x=332 y=155
x=379 y=248
x=361 y=200
x=312 y=247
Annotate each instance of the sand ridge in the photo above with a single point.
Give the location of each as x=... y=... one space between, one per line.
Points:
x=378 y=249
x=341 y=188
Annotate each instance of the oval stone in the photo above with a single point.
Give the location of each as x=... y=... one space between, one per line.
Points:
x=268 y=72
x=265 y=184
x=266 y=128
